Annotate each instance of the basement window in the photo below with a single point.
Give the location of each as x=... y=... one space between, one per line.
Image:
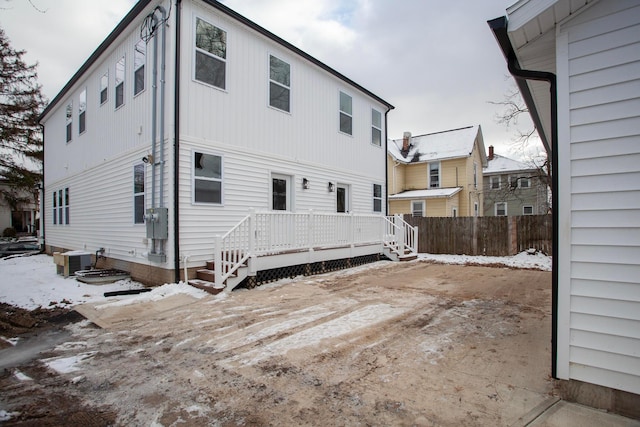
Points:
x=210 y=54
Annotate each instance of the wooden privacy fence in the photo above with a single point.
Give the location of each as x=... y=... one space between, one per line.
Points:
x=490 y=235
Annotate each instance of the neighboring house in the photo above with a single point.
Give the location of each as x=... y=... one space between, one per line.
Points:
x=17 y=210
x=513 y=188
x=588 y=53
x=211 y=139
x=438 y=174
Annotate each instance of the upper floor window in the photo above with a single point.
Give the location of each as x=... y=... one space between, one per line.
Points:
x=82 y=111
x=494 y=182
x=377 y=198
x=210 y=54
x=104 y=87
x=207 y=178
x=525 y=182
x=434 y=174
x=346 y=117
x=138 y=194
x=475 y=175
x=139 y=61
x=279 y=84
x=69 y=120
x=376 y=127
x=120 y=82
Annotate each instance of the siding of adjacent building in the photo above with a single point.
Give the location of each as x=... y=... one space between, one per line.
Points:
x=599 y=85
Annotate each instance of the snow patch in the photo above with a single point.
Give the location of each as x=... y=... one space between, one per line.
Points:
x=65 y=365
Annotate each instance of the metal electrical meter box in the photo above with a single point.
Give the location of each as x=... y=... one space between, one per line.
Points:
x=157 y=220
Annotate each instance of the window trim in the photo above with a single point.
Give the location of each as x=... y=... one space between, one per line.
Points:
x=374 y=127
x=527 y=206
x=194 y=177
x=340 y=112
x=289 y=191
x=423 y=210
x=142 y=193
x=495 y=209
x=377 y=198
x=69 y=121
x=439 y=169
x=121 y=84
x=195 y=49
x=492 y=178
x=104 y=89
x=275 y=82
x=82 y=111
x=136 y=52
x=522 y=179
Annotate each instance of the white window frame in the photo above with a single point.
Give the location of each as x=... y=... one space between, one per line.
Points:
x=342 y=112
x=522 y=180
x=279 y=84
x=429 y=171
x=137 y=218
x=69 y=121
x=475 y=174
x=423 y=208
x=492 y=180
x=195 y=178
x=82 y=111
x=377 y=198
x=375 y=128
x=104 y=88
x=495 y=209
x=196 y=50
x=454 y=212
x=139 y=55
x=524 y=210
x=120 y=77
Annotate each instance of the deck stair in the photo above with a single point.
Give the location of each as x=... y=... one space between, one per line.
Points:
x=206 y=278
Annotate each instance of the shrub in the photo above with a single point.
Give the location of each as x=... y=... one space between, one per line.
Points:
x=9 y=232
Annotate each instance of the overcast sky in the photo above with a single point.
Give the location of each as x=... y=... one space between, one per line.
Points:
x=436 y=61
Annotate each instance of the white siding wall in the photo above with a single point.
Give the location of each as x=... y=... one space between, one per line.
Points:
x=97 y=166
x=256 y=140
x=600 y=52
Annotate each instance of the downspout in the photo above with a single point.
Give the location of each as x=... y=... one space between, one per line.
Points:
x=41 y=237
x=163 y=12
x=499 y=26
x=176 y=151
x=386 y=163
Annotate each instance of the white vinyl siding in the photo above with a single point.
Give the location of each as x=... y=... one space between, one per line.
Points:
x=599 y=82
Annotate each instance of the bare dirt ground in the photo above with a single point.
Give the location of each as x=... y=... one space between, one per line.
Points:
x=395 y=344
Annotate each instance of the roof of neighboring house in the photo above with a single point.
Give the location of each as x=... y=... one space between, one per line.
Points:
x=140 y=6
x=426 y=194
x=449 y=144
x=500 y=164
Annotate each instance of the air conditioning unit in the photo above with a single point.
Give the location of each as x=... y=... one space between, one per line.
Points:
x=68 y=263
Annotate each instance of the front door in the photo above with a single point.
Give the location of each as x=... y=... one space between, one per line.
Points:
x=342 y=198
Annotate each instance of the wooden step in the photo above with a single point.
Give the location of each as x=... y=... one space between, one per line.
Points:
x=408 y=257
x=206 y=286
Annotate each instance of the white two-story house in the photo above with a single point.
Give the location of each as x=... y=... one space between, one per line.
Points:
x=192 y=134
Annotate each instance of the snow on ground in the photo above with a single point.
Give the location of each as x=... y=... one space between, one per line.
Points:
x=31 y=281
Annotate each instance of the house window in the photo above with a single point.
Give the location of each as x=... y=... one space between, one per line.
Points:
x=279 y=84
x=417 y=208
x=55 y=208
x=454 y=212
x=139 y=60
x=61 y=207
x=377 y=198
x=207 y=178
x=501 y=209
x=120 y=82
x=104 y=88
x=476 y=209
x=280 y=197
x=525 y=182
x=376 y=127
x=434 y=175
x=66 y=206
x=82 y=111
x=527 y=210
x=138 y=194
x=475 y=175
x=210 y=54
x=346 y=118
x=495 y=182
x=69 y=113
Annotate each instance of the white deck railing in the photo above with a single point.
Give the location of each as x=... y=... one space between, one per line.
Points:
x=270 y=233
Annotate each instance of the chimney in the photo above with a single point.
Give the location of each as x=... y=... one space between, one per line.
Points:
x=490 y=157
x=406 y=143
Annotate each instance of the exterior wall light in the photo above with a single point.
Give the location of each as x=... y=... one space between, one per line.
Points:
x=331 y=187
x=305 y=183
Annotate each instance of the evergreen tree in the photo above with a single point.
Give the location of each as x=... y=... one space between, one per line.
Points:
x=21 y=147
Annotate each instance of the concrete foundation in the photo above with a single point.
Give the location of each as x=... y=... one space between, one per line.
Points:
x=595 y=396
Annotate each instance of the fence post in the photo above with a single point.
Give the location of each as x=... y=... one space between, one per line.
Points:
x=474 y=242
x=252 y=241
x=513 y=235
